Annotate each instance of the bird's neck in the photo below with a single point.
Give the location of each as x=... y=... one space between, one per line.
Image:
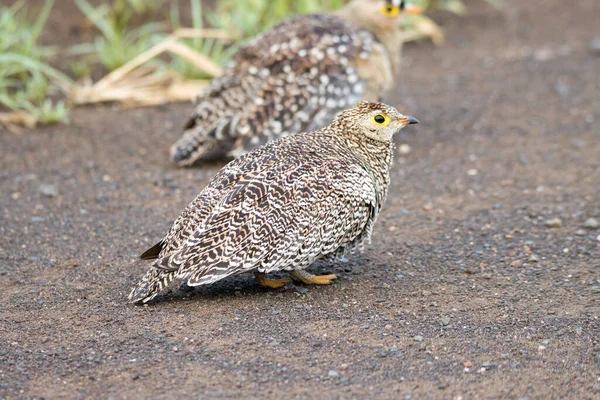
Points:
x=372 y=155
x=378 y=157
x=391 y=39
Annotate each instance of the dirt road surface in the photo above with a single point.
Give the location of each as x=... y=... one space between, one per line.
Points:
x=482 y=281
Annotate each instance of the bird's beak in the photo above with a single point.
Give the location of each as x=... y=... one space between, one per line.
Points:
x=413 y=9
x=407 y=120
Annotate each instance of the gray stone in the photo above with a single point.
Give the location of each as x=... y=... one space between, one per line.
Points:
x=48 y=190
x=553 y=223
x=594 y=46
x=591 y=223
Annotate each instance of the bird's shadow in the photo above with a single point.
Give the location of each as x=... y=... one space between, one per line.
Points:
x=244 y=285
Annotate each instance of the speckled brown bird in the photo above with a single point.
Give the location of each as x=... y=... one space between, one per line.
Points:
x=283 y=206
x=296 y=77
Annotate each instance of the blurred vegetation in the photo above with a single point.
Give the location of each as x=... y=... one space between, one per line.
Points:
x=264 y=13
x=27 y=81
x=119 y=40
x=128 y=28
x=215 y=49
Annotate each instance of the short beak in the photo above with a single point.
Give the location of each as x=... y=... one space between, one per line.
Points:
x=409 y=120
x=413 y=9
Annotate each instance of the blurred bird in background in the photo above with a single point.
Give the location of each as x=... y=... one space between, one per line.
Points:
x=296 y=77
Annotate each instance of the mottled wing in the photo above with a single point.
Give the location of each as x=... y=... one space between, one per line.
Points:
x=284 y=219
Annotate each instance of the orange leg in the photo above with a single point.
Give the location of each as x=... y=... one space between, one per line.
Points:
x=270 y=283
x=312 y=279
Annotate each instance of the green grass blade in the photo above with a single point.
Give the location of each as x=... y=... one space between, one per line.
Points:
x=40 y=22
x=34 y=65
x=99 y=20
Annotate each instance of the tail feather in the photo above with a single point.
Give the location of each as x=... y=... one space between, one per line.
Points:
x=151 y=285
x=201 y=144
x=153 y=251
x=210 y=133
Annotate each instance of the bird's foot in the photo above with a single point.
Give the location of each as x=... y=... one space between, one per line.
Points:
x=313 y=279
x=270 y=283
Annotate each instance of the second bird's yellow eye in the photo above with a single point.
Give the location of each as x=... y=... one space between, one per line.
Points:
x=390 y=10
x=380 y=119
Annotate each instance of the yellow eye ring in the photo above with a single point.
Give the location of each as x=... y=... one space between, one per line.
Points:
x=380 y=119
x=390 y=10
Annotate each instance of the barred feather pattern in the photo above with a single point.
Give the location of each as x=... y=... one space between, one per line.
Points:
x=280 y=207
x=293 y=78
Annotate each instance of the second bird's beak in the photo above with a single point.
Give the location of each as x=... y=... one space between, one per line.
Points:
x=407 y=120
x=412 y=9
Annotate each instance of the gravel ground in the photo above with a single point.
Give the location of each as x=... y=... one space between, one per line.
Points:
x=482 y=281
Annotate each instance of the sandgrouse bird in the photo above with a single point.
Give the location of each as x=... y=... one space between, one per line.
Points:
x=283 y=206
x=296 y=77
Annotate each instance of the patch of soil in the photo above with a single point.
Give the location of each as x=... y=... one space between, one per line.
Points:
x=466 y=291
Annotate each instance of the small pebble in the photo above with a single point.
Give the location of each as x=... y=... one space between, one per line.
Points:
x=488 y=365
x=404 y=149
x=544 y=54
x=581 y=232
x=591 y=223
x=472 y=172
x=516 y=263
x=333 y=373
x=102 y=198
x=553 y=223
x=533 y=258
x=468 y=364
x=563 y=89
x=48 y=190
x=301 y=289
x=594 y=46
x=445 y=321
x=418 y=338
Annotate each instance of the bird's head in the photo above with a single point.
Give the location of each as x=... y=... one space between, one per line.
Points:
x=377 y=121
x=381 y=14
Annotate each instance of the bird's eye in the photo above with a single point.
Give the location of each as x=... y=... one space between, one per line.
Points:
x=380 y=119
x=390 y=10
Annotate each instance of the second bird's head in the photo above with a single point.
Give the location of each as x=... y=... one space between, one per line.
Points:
x=377 y=121
x=382 y=14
